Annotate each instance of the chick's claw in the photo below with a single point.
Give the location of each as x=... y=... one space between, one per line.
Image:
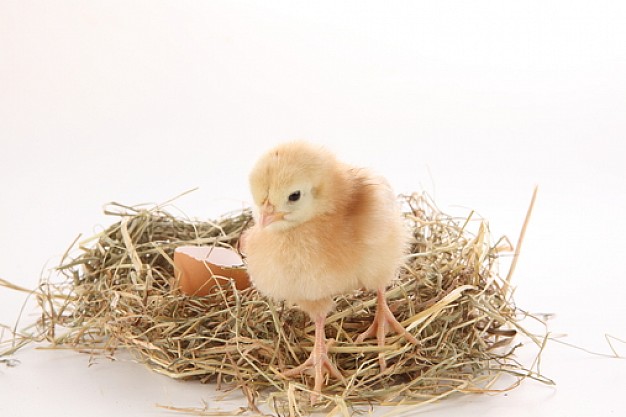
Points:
x=383 y=319
x=318 y=362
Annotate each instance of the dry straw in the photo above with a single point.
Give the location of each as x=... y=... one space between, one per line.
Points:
x=119 y=292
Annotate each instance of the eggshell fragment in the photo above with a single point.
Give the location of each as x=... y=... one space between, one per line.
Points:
x=199 y=268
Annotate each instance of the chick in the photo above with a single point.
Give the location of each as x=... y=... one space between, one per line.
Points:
x=323 y=228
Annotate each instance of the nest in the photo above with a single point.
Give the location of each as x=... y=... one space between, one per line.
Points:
x=119 y=292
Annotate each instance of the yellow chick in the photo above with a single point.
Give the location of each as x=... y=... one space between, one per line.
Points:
x=323 y=228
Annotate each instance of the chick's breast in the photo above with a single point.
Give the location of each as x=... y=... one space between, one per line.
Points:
x=296 y=265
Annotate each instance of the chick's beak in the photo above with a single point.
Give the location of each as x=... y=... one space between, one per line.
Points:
x=269 y=215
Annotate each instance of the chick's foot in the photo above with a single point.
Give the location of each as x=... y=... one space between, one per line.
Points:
x=383 y=319
x=318 y=362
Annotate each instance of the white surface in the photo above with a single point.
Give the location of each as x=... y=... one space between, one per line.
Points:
x=475 y=102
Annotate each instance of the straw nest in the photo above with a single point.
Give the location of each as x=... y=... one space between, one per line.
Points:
x=118 y=292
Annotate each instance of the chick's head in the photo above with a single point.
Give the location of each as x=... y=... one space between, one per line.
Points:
x=292 y=184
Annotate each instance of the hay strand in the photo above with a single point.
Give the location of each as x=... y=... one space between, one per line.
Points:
x=520 y=240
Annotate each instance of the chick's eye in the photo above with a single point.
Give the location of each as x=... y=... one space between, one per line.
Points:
x=295 y=196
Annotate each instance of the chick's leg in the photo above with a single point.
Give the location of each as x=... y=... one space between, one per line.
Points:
x=318 y=360
x=383 y=318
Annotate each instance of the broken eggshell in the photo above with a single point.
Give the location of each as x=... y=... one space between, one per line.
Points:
x=199 y=268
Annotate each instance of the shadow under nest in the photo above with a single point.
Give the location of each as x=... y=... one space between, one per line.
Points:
x=119 y=292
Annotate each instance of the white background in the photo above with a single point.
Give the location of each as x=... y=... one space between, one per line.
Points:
x=472 y=101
